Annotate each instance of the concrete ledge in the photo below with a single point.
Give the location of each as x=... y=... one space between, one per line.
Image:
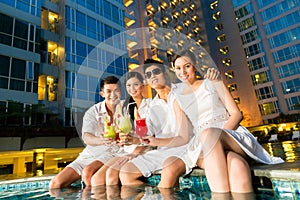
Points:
x=287 y=171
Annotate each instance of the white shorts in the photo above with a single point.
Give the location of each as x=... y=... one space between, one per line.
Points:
x=152 y=161
x=87 y=156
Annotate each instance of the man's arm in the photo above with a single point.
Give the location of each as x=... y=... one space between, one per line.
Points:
x=92 y=140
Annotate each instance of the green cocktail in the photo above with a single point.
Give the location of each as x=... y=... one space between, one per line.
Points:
x=124 y=125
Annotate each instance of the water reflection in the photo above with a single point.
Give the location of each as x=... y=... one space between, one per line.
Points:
x=287 y=150
x=145 y=192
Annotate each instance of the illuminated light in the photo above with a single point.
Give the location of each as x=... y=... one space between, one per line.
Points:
x=164 y=5
x=176 y=14
x=216 y=15
x=129 y=22
x=170 y=51
x=214 y=5
x=196 y=30
x=192 y=6
x=192 y=49
x=128 y=3
x=189 y=35
x=194 y=18
x=131 y=44
x=185 y=10
x=180 y=42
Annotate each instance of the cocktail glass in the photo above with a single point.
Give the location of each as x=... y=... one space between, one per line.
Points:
x=141 y=128
x=124 y=125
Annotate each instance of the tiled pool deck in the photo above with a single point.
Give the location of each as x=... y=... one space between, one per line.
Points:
x=281 y=178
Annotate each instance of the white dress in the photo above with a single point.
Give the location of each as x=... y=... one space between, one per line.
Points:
x=205 y=109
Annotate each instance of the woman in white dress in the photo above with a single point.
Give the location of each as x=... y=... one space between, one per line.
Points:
x=221 y=146
x=109 y=173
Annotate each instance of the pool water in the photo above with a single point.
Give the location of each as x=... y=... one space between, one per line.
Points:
x=191 y=188
x=198 y=190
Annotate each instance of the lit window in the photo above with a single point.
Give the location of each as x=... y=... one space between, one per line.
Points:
x=214 y=5
x=224 y=50
x=184 y=10
x=192 y=6
x=218 y=27
x=52 y=53
x=229 y=74
x=52 y=88
x=42 y=87
x=232 y=87
x=217 y=15
x=237 y=100
x=194 y=18
x=226 y=62
x=164 y=5
x=221 y=38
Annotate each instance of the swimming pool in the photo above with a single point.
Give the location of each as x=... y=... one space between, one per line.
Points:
x=193 y=187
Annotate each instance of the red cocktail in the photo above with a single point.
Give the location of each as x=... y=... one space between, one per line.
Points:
x=141 y=127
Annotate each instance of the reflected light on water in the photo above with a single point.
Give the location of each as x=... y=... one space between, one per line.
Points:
x=287 y=150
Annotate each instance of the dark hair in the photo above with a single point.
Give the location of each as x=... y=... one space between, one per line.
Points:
x=185 y=53
x=137 y=75
x=129 y=99
x=150 y=62
x=109 y=80
x=191 y=56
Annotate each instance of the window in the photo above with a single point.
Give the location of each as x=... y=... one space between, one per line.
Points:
x=244 y=11
x=237 y=100
x=286 y=53
x=264 y=93
x=221 y=38
x=218 y=27
x=30 y=71
x=224 y=50
x=253 y=50
x=257 y=63
x=293 y=103
x=287 y=70
x=246 y=24
x=214 y=5
x=216 y=15
x=249 y=37
x=291 y=86
x=232 y=87
x=229 y=74
x=269 y=108
x=260 y=78
x=226 y=62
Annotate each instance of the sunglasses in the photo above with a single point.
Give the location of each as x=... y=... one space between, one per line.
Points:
x=155 y=71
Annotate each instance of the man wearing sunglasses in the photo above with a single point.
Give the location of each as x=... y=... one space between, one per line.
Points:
x=163 y=131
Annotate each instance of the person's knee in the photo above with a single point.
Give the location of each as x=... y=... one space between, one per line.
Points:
x=237 y=165
x=127 y=174
x=112 y=177
x=125 y=177
x=55 y=183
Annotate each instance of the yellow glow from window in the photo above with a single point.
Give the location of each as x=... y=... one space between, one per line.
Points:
x=217 y=15
x=214 y=5
x=128 y=2
x=185 y=10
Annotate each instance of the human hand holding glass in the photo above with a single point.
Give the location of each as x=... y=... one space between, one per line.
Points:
x=141 y=129
x=124 y=125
